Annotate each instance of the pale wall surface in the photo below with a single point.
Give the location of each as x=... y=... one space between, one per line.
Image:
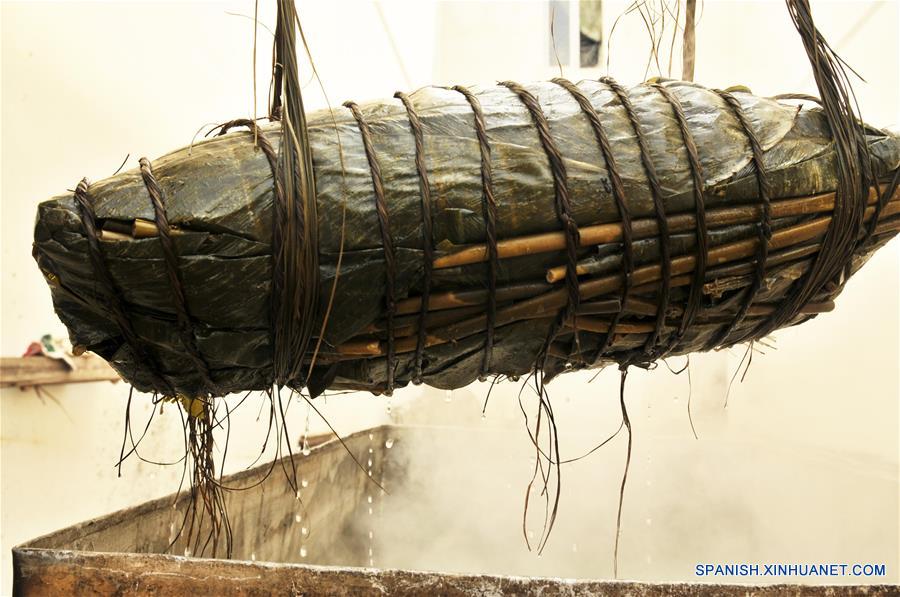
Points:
x=801 y=466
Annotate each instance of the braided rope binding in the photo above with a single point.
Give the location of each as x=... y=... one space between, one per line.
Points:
x=489 y=213
x=173 y=274
x=111 y=293
x=384 y=226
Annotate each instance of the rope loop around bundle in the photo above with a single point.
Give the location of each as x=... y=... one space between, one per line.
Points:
x=387 y=243
x=563 y=209
x=650 y=348
x=695 y=292
x=295 y=243
x=112 y=295
x=185 y=323
x=764 y=227
x=618 y=193
x=279 y=216
x=489 y=214
x=415 y=126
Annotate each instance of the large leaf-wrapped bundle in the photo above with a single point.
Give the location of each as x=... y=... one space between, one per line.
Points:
x=547 y=226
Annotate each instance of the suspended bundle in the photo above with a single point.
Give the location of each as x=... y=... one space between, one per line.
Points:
x=456 y=234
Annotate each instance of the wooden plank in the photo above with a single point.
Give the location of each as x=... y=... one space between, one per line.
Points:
x=41 y=371
x=55 y=572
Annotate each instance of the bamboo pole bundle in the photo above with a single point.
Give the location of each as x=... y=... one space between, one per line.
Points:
x=462 y=233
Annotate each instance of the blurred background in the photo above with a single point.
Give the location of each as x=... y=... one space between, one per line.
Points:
x=802 y=464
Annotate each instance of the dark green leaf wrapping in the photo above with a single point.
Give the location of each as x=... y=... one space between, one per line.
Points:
x=219 y=196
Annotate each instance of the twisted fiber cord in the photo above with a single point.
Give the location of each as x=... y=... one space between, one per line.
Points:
x=173 y=273
x=662 y=222
x=489 y=213
x=764 y=228
x=618 y=193
x=275 y=106
x=384 y=226
x=852 y=158
x=695 y=293
x=562 y=206
x=883 y=198
x=112 y=294
x=298 y=301
x=280 y=208
x=427 y=236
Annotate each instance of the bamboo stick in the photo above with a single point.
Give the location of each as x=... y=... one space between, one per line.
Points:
x=468 y=298
x=360 y=348
x=545 y=305
x=558 y=273
x=138 y=229
x=735 y=273
x=644 y=228
x=405 y=323
x=144 y=229
x=591 y=324
x=473 y=297
x=683 y=264
x=110 y=235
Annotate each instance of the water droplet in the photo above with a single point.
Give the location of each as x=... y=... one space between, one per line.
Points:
x=304 y=531
x=371 y=535
x=370 y=552
x=531 y=534
x=448 y=396
x=371 y=451
x=297 y=518
x=298 y=494
x=370 y=511
x=304 y=483
x=388 y=409
x=253 y=556
x=483 y=416
x=569 y=365
x=306 y=449
x=388 y=443
x=370 y=473
x=371 y=563
x=302 y=552
x=171 y=527
x=371 y=436
x=513 y=378
x=369 y=499
x=187 y=552
x=370 y=463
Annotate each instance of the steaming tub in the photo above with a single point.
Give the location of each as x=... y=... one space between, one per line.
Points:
x=123 y=553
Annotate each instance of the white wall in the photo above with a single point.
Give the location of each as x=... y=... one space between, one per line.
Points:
x=802 y=464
